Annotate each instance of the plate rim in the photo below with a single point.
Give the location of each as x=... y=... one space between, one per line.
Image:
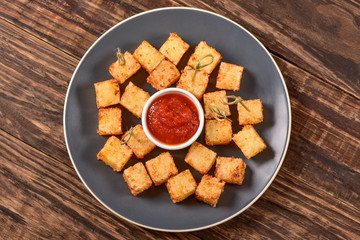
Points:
x=268 y=183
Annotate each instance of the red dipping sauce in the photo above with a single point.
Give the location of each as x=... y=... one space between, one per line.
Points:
x=172 y=119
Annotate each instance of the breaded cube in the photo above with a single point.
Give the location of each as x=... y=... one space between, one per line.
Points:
x=114 y=154
x=201 y=51
x=197 y=86
x=249 y=141
x=218 y=132
x=161 y=168
x=254 y=116
x=164 y=75
x=181 y=186
x=123 y=72
x=134 y=99
x=148 y=56
x=110 y=121
x=230 y=169
x=229 y=76
x=200 y=157
x=209 y=190
x=137 y=178
x=212 y=99
x=174 y=48
x=107 y=93
x=140 y=144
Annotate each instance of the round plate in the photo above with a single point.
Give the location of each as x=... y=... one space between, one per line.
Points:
x=261 y=79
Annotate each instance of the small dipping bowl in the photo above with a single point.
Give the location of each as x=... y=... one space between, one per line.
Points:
x=161 y=93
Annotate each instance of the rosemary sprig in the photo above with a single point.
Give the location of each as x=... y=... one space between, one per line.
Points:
x=127 y=136
x=120 y=57
x=218 y=113
x=236 y=101
x=198 y=64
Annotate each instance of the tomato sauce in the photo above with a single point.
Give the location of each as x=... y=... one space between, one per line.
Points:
x=172 y=119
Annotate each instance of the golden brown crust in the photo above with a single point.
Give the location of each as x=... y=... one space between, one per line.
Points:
x=164 y=75
x=123 y=72
x=161 y=168
x=110 y=121
x=181 y=186
x=229 y=76
x=213 y=99
x=137 y=178
x=197 y=86
x=255 y=115
x=174 y=48
x=140 y=144
x=134 y=99
x=209 y=190
x=218 y=132
x=230 y=169
x=200 y=157
x=107 y=93
x=148 y=56
x=201 y=50
x=249 y=141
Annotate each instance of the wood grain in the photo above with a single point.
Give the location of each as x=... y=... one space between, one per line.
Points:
x=322 y=37
x=43 y=198
x=325 y=131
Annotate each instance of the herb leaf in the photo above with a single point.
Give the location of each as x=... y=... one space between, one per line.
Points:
x=235 y=101
x=127 y=136
x=120 y=57
x=218 y=113
x=198 y=64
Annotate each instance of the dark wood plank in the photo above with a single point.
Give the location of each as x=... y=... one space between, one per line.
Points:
x=323 y=149
x=44 y=199
x=291 y=210
x=321 y=37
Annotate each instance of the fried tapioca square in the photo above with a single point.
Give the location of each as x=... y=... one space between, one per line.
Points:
x=211 y=100
x=148 y=56
x=249 y=141
x=139 y=143
x=200 y=157
x=174 y=48
x=230 y=169
x=229 y=76
x=196 y=86
x=110 y=121
x=255 y=115
x=114 y=154
x=181 y=186
x=202 y=50
x=218 y=132
x=123 y=72
x=209 y=190
x=137 y=178
x=134 y=99
x=161 y=168
x=107 y=93
x=164 y=75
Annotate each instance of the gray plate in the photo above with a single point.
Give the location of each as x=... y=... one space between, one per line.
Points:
x=261 y=79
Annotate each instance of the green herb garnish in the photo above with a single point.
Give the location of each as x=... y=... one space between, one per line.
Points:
x=198 y=64
x=127 y=136
x=218 y=113
x=236 y=101
x=120 y=57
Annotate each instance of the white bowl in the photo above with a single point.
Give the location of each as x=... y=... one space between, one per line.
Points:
x=189 y=96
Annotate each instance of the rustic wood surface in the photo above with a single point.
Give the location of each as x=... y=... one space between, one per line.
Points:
x=316 y=194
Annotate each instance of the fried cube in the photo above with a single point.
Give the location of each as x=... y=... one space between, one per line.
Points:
x=201 y=51
x=134 y=99
x=114 y=154
x=174 y=48
x=139 y=143
x=107 y=93
x=161 y=168
x=197 y=86
x=110 y=121
x=200 y=157
x=181 y=186
x=230 y=169
x=254 y=116
x=137 y=178
x=211 y=100
x=249 y=141
x=209 y=190
x=148 y=56
x=164 y=75
x=123 y=72
x=229 y=76
x=218 y=132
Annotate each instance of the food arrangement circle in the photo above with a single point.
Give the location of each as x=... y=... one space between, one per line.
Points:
x=153 y=208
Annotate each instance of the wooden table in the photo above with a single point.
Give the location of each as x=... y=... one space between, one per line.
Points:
x=316 y=194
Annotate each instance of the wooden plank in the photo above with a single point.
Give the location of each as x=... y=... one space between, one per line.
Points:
x=43 y=198
x=291 y=210
x=321 y=37
x=323 y=149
